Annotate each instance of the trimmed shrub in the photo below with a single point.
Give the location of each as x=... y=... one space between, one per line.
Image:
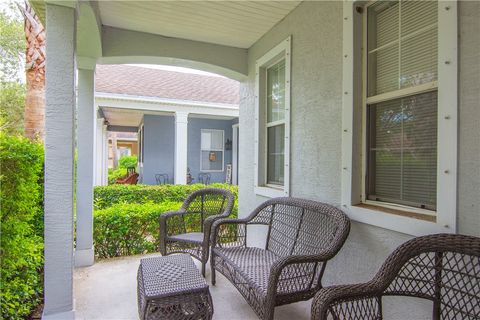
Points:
x=128 y=229
x=105 y=196
x=21 y=215
x=128 y=162
x=126 y=216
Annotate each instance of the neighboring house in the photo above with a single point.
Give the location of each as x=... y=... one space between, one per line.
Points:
x=182 y=120
x=121 y=144
x=385 y=129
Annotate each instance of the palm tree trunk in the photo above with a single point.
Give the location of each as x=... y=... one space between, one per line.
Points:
x=35 y=75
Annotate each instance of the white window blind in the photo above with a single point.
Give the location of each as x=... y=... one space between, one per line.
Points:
x=276 y=123
x=402 y=129
x=402 y=45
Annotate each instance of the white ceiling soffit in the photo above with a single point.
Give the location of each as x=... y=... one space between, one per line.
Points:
x=231 y=23
x=129 y=118
x=133 y=118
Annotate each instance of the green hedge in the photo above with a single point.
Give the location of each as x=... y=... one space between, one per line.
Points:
x=128 y=229
x=126 y=216
x=21 y=253
x=106 y=196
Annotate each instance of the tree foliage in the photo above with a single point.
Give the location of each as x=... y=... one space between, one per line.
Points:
x=21 y=217
x=12 y=44
x=12 y=88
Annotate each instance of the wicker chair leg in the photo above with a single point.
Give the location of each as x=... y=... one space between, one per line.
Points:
x=212 y=269
x=203 y=268
x=269 y=311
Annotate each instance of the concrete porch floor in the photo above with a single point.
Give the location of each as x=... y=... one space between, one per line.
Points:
x=108 y=290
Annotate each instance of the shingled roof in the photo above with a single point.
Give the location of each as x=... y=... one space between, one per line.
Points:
x=148 y=82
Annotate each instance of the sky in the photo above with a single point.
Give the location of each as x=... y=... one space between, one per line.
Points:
x=177 y=69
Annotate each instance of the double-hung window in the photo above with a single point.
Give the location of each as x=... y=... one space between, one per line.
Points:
x=401 y=103
x=212 y=150
x=275 y=124
x=399 y=119
x=272 y=126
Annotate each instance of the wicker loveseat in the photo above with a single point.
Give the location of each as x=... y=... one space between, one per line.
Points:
x=302 y=236
x=188 y=230
x=443 y=268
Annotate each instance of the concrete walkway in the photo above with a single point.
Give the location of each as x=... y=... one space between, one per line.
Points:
x=108 y=290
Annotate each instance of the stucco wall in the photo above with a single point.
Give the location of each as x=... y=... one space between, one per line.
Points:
x=195 y=125
x=316 y=29
x=159 y=147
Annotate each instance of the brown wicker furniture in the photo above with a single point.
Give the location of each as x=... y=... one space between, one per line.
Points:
x=443 y=268
x=188 y=230
x=302 y=236
x=172 y=288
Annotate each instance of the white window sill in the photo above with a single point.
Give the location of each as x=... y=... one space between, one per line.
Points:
x=399 y=223
x=270 y=192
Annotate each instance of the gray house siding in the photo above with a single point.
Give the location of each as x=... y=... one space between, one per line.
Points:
x=316 y=111
x=159 y=147
x=195 y=125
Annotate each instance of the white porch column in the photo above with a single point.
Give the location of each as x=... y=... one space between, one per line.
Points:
x=181 y=147
x=84 y=254
x=99 y=152
x=105 y=155
x=59 y=143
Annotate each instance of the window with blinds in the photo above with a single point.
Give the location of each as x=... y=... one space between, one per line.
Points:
x=401 y=96
x=276 y=123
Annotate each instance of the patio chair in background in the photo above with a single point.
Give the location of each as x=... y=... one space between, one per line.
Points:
x=302 y=236
x=162 y=178
x=204 y=177
x=188 y=230
x=443 y=268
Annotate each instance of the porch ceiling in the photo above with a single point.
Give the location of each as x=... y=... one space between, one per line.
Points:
x=133 y=117
x=230 y=23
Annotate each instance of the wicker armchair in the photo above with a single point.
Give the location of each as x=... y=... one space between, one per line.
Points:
x=443 y=268
x=188 y=230
x=302 y=236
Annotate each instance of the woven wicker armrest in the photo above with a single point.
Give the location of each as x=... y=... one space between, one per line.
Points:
x=217 y=236
x=289 y=268
x=335 y=300
x=163 y=221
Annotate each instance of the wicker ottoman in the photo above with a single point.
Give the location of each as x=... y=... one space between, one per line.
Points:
x=171 y=287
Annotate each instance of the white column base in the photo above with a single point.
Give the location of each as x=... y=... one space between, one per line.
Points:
x=68 y=315
x=84 y=257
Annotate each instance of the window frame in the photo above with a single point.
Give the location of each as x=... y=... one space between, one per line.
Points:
x=409 y=220
x=399 y=93
x=272 y=57
x=216 y=150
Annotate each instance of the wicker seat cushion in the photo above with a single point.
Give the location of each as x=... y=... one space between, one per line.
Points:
x=253 y=264
x=195 y=237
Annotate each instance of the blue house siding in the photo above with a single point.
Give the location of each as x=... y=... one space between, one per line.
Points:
x=195 y=125
x=159 y=147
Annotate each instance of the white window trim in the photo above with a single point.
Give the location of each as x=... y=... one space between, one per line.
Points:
x=261 y=188
x=353 y=167
x=222 y=150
